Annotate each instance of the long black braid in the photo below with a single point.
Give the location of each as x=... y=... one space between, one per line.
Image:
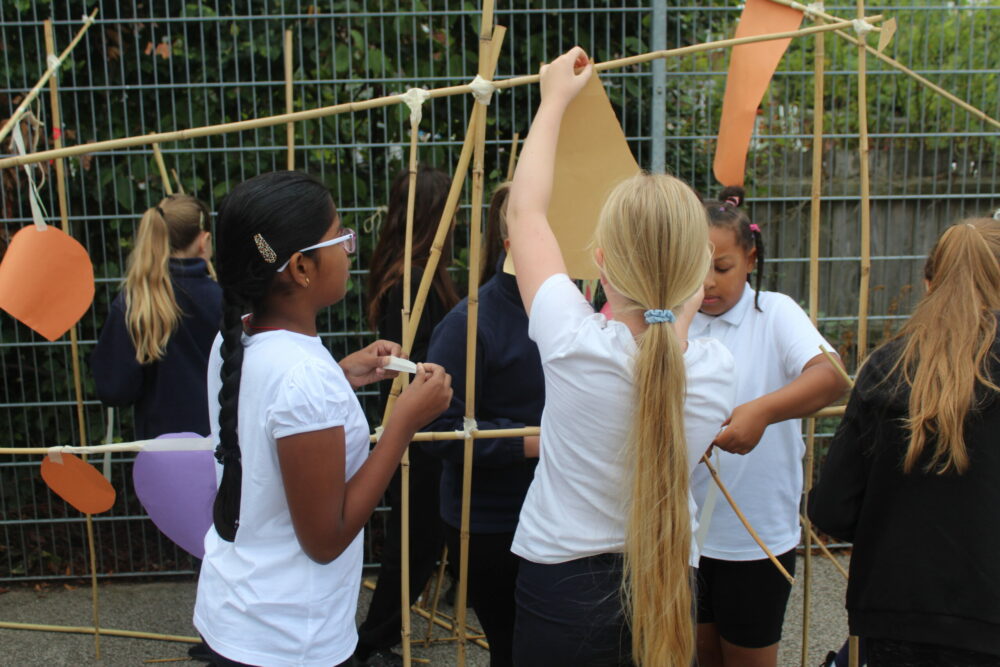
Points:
x=727 y=213
x=261 y=223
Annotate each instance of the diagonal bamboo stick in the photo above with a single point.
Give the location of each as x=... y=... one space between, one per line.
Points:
x=74 y=342
x=161 y=165
x=825 y=550
x=512 y=162
x=311 y=114
x=52 y=69
x=816 y=12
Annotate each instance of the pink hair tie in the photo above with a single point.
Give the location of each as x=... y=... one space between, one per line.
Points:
x=754 y=227
x=733 y=201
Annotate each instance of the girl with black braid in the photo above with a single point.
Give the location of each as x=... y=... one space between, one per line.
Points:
x=781 y=376
x=282 y=570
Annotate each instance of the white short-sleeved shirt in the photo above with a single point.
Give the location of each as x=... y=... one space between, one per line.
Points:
x=770 y=349
x=576 y=504
x=261 y=600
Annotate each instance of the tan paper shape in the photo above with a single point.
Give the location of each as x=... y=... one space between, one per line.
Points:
x=751 y=67
x=887 y=33
x=591 y=159
x=46 y=280
x=78 y=483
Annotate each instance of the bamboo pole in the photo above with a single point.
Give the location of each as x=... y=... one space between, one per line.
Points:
x=826 y=551
x=866 y=213
x=512 y=162
x=815 y=12
x=52 y=69
x=819 y=64
x=404 y=502
x=73 y=341
x=743 y=520
x=158 y=156
x=436 y=597
x=346 y=107
x=840 y=369
x=87 y=630
x=852 y=651
x=486 y=69
x=177 y=179
x=289 y=98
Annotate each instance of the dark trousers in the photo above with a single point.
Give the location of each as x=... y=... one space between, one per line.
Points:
x=382 y=626
x=571 y=614
x=492 y=579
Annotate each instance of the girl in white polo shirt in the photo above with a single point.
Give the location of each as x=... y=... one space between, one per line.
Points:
x=781 y=376
x=282 y=569
x=605 y=529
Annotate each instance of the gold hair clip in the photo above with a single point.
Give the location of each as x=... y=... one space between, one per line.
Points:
x=266 y=251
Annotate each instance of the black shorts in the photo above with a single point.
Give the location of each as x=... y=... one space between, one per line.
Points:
x=746 y=600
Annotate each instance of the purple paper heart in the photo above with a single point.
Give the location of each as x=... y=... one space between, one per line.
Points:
x=178 y=489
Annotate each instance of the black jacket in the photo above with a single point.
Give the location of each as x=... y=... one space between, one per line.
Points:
x=169 y=395
x=510 y=393
x=926 y=560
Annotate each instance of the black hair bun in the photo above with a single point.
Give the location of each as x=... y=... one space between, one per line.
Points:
x=733 y=194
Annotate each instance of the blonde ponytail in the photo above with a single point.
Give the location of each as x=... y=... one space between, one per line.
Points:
x=151 y=310
x=653 y=232
x=946 y=343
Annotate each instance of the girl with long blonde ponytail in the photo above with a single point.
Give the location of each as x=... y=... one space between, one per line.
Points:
x=918 y=454
x=159 y=331
x=605 y=531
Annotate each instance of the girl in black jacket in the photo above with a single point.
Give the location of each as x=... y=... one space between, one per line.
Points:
x=911 y=476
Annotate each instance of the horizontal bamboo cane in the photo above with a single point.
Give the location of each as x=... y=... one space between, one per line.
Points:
x=815 y=11
x=49 y=71
x=312 y=114
x=745 y=522
x=89 y=630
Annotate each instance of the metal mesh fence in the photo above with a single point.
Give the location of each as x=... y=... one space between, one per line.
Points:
x=172 y=65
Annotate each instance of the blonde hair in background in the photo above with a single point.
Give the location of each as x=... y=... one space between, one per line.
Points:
x=653 y=231
x=946 y=343
x=151 y=310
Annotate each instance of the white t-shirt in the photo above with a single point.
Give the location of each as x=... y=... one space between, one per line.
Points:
x=770 y=349
x=261 y=600
x=576 y=504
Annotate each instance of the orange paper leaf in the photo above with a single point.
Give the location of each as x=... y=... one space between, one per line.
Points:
x=78 y=483
x=46 y=280
x=751 y=67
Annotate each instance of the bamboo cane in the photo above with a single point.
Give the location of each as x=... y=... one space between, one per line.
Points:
x=512 y=162
x=177 y=179
x=73 y=341
x=404 y=508
x=161 y=165
x=825 y=550
x=289 y=98
x=836 y=364
x=819 y=64
x=744 y=521
x=866 y=213
x=52 y=69
x=852 y=651
x=346 y=107
x=472 y=330
x=87 y=630
x=816 y=12
x=436 y=597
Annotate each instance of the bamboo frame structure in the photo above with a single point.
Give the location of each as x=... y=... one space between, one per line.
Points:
x=15 y=118
x=162 y=167
x=866 y=211
x=73 y=338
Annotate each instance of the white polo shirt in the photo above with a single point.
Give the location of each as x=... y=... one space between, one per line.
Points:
x=576 y=505
x=261 y=600
x=770 y=349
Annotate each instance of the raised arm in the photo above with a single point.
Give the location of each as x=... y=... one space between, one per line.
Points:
x=533 y=246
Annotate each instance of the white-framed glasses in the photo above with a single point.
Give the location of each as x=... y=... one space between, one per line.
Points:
x=347 y=237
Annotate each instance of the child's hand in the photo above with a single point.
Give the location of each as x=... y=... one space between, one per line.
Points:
x=565 y=76
x=742 y=431
x=366 y=365
x=427 y=396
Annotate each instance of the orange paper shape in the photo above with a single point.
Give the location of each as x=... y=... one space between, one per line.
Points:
x=751 y=67
x=46 y=280
x=78 y=483
x=591 y=159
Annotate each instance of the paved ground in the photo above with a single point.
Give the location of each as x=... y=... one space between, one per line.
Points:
x=165 y=608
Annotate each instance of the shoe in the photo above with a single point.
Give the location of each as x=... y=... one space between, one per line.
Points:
x=380 y=658
x=830 y=660
x=200 y=652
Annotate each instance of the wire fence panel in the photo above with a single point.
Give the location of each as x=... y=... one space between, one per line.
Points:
x=166 y=66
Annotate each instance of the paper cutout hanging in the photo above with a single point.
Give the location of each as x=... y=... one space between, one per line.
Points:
x=177 y=489
x=751 y=67
x=886 y=35
x=591 y=159
x=46 y=280
x=78 y=483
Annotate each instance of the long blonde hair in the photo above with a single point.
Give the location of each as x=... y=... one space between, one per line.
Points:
x=946 y=343
x=151 y=310
x=653 y=232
